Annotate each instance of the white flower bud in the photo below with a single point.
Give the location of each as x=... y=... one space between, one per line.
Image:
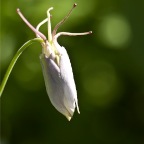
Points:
x=56 y=67
x=60 y=83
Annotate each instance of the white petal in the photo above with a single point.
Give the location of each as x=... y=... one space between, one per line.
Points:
x=67 y=75
x=60 y=85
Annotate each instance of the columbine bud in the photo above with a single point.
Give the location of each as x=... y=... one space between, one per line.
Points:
x=56 y=67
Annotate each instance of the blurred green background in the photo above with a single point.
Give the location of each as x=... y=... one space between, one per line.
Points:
x=108 y=68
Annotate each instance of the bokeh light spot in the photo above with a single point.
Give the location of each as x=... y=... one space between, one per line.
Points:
x=115 y=31
x=101 y=84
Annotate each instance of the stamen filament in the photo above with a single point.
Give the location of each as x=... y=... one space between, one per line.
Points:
x=62 y=21
x=40 y=24
x=71 y=34
x=49 y=25
x=30 y=26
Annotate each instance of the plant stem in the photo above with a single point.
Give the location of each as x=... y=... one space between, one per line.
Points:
x=12 y=63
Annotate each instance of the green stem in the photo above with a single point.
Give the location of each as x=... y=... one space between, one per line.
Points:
x=19 y=52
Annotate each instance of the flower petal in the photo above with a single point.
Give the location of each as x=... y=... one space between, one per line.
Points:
x=67 y=76
x=60 y=85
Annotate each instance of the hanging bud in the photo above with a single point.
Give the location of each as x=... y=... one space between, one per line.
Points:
x=56 y=67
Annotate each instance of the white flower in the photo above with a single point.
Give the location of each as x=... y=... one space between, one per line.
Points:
x=57 y=68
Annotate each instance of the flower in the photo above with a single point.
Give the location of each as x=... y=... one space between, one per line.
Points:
x=56 y=67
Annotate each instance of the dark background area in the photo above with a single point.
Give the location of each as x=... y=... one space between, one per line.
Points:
x=108 y=68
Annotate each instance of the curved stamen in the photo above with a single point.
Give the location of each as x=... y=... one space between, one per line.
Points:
x=40 y=24
x=30 y=26
x=62 y=21
x=49 y=25
x=71 y=34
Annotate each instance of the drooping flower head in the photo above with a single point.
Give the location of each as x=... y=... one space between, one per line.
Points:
x=56 y=66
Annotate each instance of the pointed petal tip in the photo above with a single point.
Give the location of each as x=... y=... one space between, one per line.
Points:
x=77 y=108
x=68 y=117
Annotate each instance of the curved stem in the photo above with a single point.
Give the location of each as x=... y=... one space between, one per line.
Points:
x=12 y=63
